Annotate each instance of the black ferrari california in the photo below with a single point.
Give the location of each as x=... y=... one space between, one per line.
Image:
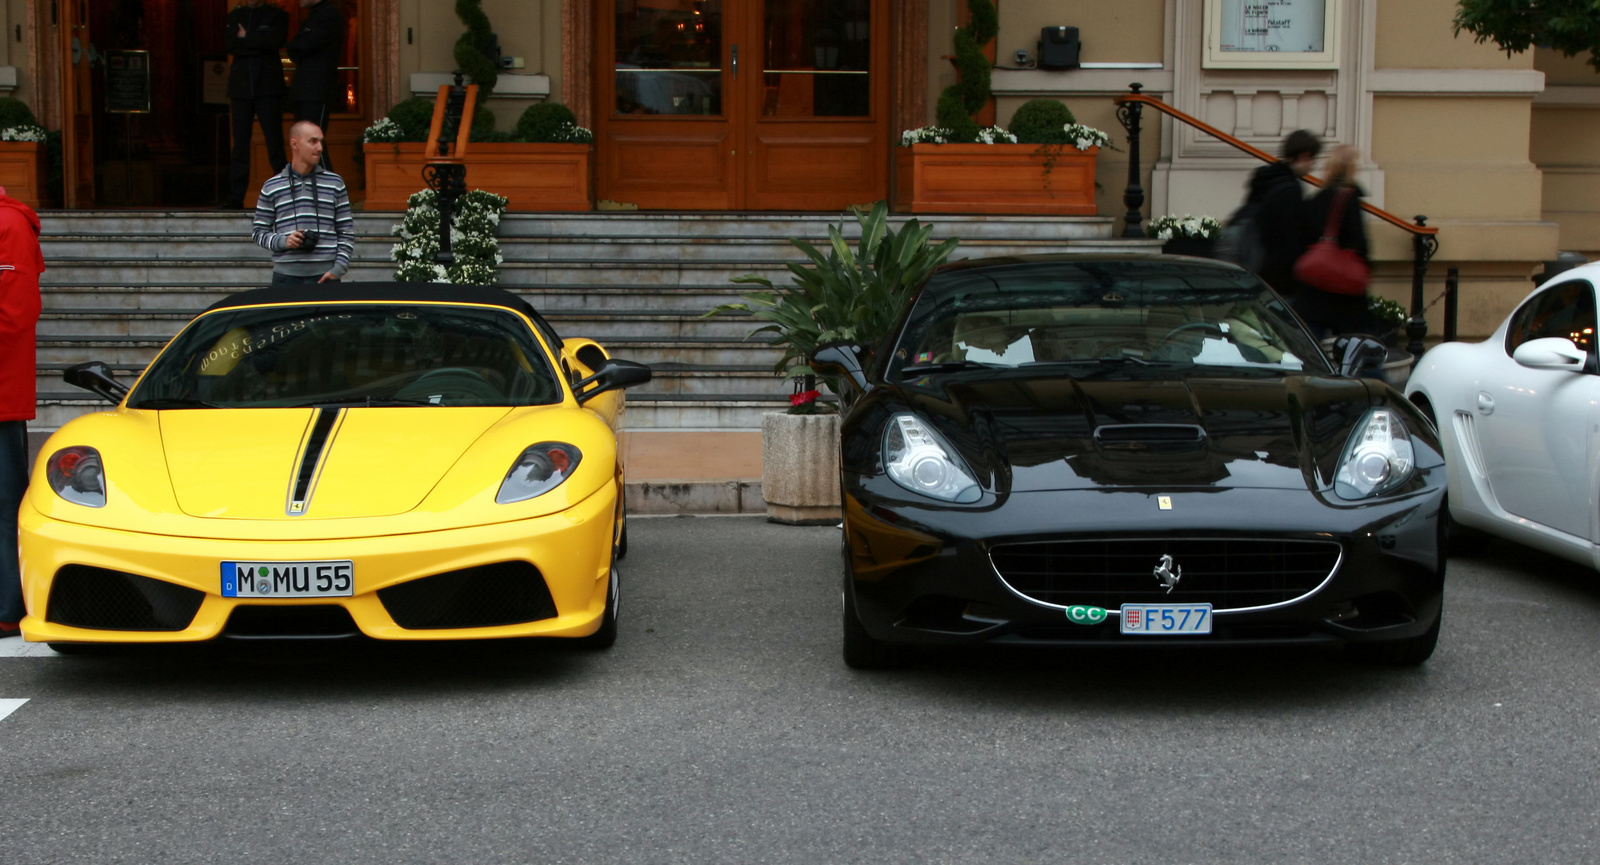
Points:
x=1129 y=450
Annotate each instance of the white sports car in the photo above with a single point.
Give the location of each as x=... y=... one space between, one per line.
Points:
x=1519 y=418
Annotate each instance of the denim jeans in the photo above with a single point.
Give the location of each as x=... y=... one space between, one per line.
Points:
x=13 y=484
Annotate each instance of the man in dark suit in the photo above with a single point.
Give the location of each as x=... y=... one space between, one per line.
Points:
x=256 y=30
x=315 y=50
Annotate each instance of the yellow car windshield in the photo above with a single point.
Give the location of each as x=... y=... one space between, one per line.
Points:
x=351 y=354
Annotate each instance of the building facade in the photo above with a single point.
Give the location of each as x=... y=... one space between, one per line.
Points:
x=798 y=104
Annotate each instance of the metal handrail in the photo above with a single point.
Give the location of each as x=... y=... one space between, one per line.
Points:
x=1262 y=155
x=1424 y=238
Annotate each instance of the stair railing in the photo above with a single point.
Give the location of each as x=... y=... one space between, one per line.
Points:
x=1424 y=238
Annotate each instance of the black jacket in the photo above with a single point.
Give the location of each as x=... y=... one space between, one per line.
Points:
x=1281 y=221
x=257 y=68
x=315 y=51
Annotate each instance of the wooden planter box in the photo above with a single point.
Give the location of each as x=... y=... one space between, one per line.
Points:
x=22 y=168
x=800 y=468
x=994 y=178
x=533 y=176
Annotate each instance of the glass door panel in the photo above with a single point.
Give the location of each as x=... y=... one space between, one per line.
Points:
x=818 y=57
x=668 y=57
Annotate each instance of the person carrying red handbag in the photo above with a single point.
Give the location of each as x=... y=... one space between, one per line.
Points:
x=1334 y=215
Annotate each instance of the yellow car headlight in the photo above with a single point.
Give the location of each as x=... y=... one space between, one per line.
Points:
x=540 y=469
x=78 y=475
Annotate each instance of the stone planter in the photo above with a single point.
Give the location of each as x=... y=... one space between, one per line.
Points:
x=1199 y=247
x=800 y=468
x=22 y=167
x=995 y=178
x=534 y=177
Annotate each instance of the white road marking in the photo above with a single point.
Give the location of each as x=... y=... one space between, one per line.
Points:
x=16 y=647
x=9 y=706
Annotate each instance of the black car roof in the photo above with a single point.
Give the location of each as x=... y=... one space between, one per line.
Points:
x=1177 y=262
x=396 y=292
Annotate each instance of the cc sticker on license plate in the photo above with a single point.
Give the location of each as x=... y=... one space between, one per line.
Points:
x=1166 y=618
x=288 y=579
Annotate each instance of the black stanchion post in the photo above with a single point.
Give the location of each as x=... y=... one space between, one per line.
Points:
x=1452 y=302
x=1423 y=246
x=1130 y=113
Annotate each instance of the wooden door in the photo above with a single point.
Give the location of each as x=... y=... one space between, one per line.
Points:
x=77 y=88
x=742 y=104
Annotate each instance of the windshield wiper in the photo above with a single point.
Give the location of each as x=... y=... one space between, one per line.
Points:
x=950 y=366
x=166 y=402
x=364 y=402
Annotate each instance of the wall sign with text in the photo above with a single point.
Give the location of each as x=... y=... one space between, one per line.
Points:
x=1272 y=34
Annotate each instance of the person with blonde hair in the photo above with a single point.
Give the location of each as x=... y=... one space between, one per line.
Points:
x=1332 y=314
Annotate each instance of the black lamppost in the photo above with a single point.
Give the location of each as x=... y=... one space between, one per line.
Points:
x=448 y=179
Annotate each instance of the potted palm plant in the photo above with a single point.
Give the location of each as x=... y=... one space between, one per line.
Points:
x=841 y=295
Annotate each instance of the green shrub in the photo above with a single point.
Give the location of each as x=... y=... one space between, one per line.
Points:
x=1041 y=121
x=971 y=91
x=472 y=49
x=414 y=116
x=549 y=123
x=15 y=112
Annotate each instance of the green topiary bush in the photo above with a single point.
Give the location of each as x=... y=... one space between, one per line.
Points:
x=472 y=49
x=15 y=112
x=1041 y=121
x=550 y=123
x=971 y=91
x=414 y=116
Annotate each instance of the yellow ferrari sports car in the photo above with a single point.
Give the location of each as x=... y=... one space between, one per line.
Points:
x=408 y=462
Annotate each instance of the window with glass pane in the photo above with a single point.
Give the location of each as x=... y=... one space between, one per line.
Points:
x=818 y=58
x=669 y=57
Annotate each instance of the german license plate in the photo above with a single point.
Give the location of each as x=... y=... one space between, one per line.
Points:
x=288 y=579
x=1166 y=618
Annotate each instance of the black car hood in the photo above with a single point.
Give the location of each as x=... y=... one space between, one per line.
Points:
x=1026 y=433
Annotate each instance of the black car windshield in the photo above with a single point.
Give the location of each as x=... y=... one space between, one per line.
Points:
x=351 y=354
x=1097 y=313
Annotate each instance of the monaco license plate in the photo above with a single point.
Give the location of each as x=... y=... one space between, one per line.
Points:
x=1166 y=618
x=288 y=579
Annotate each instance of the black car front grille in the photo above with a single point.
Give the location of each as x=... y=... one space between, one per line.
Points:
x=82 y=596
x=1226 y=573
x=505 y=593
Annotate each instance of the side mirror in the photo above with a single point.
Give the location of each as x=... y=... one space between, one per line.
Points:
x=1357 y=354
x=95 y=377
x=612 y=374
x=1551 y=352
x=842 y=360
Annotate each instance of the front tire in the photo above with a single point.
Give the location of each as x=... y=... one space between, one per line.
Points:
x=861 y=650
x=606 y=637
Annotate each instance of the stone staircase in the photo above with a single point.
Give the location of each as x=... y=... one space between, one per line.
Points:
x=120 y=284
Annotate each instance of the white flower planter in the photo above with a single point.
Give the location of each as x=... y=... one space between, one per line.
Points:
x=800 y=468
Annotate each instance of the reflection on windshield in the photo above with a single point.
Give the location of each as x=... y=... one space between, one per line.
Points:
x=1057 y=314
x=353 y=355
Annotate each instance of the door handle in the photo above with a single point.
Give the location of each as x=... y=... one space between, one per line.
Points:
x=736 y=62
x=1485 y=403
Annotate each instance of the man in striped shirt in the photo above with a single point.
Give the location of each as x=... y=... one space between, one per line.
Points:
x=303 y=215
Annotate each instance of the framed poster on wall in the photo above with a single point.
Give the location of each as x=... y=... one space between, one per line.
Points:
x=1272 y=34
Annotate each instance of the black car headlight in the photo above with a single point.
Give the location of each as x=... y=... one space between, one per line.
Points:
x=919 y=460
x=77 y=475
x=1378 y=457
x=540 y=469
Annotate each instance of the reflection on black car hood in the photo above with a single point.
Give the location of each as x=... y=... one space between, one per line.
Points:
x=1210 y=428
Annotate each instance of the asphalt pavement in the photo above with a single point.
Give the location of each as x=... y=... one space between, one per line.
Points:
x=723 y=727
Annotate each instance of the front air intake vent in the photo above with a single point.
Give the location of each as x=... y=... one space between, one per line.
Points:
x=506 y=593
x=105 y=600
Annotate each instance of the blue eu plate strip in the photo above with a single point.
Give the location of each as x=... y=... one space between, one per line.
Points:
x=230 y=580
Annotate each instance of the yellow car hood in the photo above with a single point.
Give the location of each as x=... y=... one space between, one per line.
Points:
x=243 y=464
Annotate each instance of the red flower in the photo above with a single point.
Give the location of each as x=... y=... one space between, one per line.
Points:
x=804 y=397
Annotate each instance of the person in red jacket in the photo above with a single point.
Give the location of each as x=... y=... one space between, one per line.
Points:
x=21 y=262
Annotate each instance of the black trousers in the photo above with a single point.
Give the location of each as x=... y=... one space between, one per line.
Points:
x=269 y=111
x=317 y=112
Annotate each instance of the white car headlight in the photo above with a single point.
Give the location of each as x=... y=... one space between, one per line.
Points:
x=1378 y=457
x=538 y=470
x=919 y=460
x=78 y=475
